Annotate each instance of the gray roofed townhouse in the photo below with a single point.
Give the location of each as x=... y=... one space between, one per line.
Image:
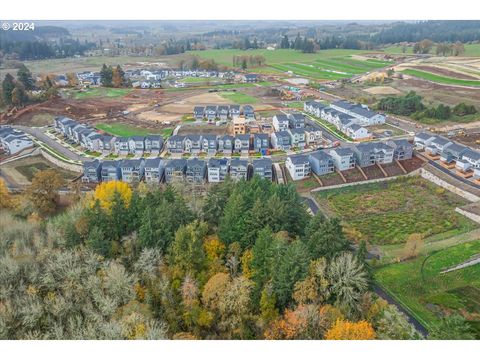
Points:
x=238 y=169
x=263 y=168
x=402 y=149
x=92 y=171
x=154 y=169
x=195 y=171
x=321 y=163
x=175 y=170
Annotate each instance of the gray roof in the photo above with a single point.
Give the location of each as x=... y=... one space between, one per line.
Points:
x=242 y=137
x=355 y=127
x=284 y=133
x=372 y=146
x=282 y=117
x=195 y=162
x=297 y=131
x=260 y=136
x=213 y=162
x=176 y=163
x=109 y=163
x=343 y=151
x=209 y=137
x=131 y=162
x=176 y=138
x=248 y=108
x=299 y=159
x=137 y=138
x=472 y=154
x=153 y=163
x=399 y=142
x=154 y=137
x=263 y=162
x=226 y=137
x=424 y=135
x=441 y=141
x=193 y=137
x=238 y=162
x=457 y=148
x=321 y=155
x=91 y=164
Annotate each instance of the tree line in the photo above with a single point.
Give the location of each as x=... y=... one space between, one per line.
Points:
x=142 y=263
x=18 y=92
x=411 y=105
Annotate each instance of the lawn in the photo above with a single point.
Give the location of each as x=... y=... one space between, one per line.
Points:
x=388 y=212
x=279 y=56
x=239 y=98
x=440 y=79
x=430 y=295
x=119 y=129
x=100 y=92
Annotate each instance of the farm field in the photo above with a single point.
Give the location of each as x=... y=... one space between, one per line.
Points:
x=119 y=129
x=440 y=79
x=239 y=98
x=430 y=295
x=388 y=212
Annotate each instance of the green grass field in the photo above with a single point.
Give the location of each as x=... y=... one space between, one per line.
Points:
x=388 y=212
x=239 y=98
x=119 y=129
x=430 y=295
x=472 y=50
x=100 y=92
x=332 y=64
x=440 y=79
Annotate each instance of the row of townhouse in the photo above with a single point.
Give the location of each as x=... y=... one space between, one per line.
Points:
x=223 y=112
x=283 y=122
x=156 y=170
x=343 y=121
x=92 y=140
x=344 y=158
x=465 y=158
x=244 y=143
x=13 y=141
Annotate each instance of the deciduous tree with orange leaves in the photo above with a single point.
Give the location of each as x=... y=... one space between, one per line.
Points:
x=346 y=330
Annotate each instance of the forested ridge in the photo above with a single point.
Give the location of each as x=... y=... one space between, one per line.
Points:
x=251 y=263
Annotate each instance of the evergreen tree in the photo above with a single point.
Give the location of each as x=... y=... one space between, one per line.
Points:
x=324 y=237
x=25 y=77
x=106 y=75
x=291 y=267
x=285 y=43
x=8 y=85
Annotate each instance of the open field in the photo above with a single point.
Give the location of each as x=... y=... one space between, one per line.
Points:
x=332 y=64
x=419 y=286
x=472 y=50
x=440 y=79
x=388 y=212
x=119 y=129
x=87 y=63
x=239 y=98
x=100 y=92
x=20 y=172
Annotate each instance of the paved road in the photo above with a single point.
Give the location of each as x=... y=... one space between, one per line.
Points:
x=39 y=134
x=311 y=204
x=412 y=320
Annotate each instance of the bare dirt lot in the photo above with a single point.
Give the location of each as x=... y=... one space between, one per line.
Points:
x=412 y=164
x=382 y=90
x=469 y=139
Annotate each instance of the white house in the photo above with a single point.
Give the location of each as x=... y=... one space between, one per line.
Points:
x=298 y=167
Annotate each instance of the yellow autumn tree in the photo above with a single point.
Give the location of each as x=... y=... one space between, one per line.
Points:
x=346 y=330
x=5 y=197
x=105 y=193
